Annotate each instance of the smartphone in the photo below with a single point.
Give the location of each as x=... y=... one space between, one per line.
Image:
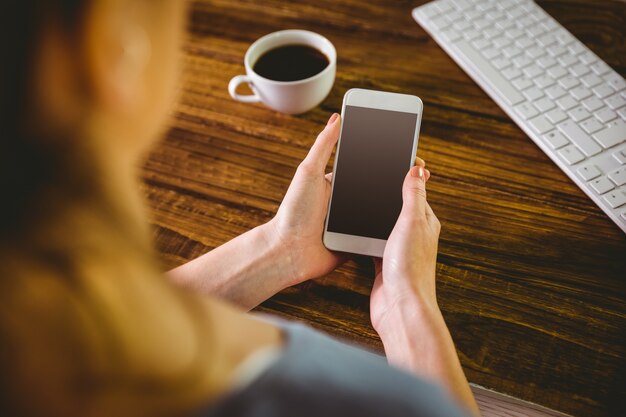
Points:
x=376 y=149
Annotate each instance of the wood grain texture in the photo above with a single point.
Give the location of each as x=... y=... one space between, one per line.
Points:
x=531 y=273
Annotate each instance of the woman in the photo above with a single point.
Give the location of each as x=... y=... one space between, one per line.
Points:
x=91 y=327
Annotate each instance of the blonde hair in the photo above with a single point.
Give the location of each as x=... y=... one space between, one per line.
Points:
x=89 y=325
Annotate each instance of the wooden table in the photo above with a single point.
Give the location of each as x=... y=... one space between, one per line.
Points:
x=531 y=273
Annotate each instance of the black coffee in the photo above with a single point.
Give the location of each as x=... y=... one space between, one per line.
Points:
x=291 y=63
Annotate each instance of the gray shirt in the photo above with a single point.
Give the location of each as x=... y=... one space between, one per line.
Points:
x=315 y=375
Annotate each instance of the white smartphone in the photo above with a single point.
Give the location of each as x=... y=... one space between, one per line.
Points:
x=376 y=149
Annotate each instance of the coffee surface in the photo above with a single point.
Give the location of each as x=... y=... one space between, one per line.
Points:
x=291 y=63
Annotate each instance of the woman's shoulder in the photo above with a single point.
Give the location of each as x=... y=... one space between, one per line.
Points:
x=318 y=375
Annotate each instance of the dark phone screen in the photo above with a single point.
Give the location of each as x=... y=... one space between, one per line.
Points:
x=373 y=158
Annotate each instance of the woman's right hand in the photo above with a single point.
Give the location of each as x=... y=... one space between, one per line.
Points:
x=406 y=274
x=403 y=304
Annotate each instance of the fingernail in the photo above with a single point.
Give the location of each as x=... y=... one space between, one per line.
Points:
x=418 y=172
x=332 y=119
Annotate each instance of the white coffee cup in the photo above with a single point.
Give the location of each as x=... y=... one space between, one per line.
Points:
x=291 y=97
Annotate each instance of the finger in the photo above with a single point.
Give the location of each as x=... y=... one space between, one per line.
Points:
x=323 y=147
x=329 y=177
x=414 y=190
x=420 y=162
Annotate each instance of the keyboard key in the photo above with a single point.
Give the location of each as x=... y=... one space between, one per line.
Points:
x=593 y=104
x=589 y=172
x=511 y=51
x=580 y=93
x=462 y=25
x=526 y=111
x=490 y=53
x=500 y=63
x=603 y=91
x=622 y=113
x=511 y=73
x=481 y=24
x=535 y=31
x=557 y=72
x=533 y=93
x=544 y=104
x=556 y=50
x=485 y=6
x=579 y=70
x=591 y=125
x=615 y=133
x=497 y=81
x=546 y=62
x=491 y=33
x=440 y=23
x=618 y=176
x=616 y=101
x=481 y=43
x=569 y=82
x=524 y=42
x=616 y=199
x=541 y=124
x=601 y=185
x=430 y=10
x=523 y=83
x=600 y=67
x=579 y=138
x=555 y=139
x=444 y=6
x=514 y=33
x=501 y=42
x=616 y=81
x=605 y=115
x=567 y=60
x=522 y=61
x=578 y=114
x=546 y=40
x=537 y=14
x=526 y=21
x=555 y=92
x=514 y=13
x=571 y=155
x=462 y=4
x=566 y=103
x=543 y=81
x=533 y=71
x=588 y=57
x=565 y=38
x=556 y=116
x=495 y=15
x=620 y=156
x=471 y=34
x=550 y=24
x=472 y=14
x=535 y=52
x=576 y=48
x=591 y=80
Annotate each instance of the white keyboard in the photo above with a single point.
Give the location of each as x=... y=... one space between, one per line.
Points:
x=569 y=101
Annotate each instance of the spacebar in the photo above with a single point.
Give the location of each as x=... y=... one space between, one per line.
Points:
x=489 y=73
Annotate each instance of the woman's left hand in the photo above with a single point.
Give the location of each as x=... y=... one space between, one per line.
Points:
x=299 y=223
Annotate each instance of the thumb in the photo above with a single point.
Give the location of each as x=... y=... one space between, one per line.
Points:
x=414 y=190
